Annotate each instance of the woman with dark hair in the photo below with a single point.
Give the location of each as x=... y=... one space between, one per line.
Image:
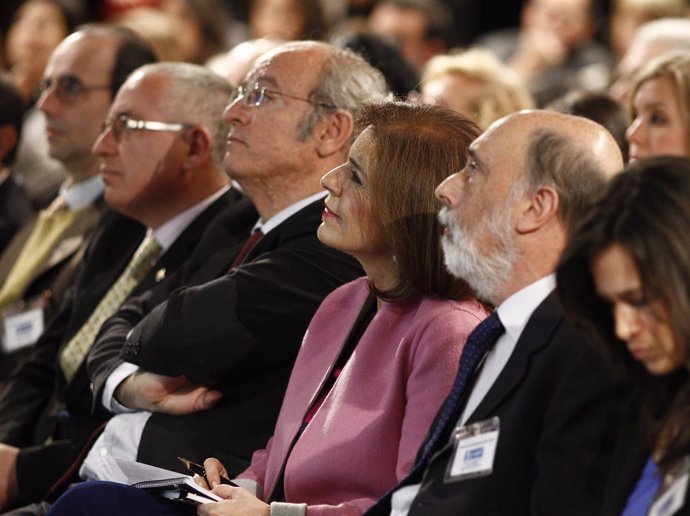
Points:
x=625 y=278
x=380 y=354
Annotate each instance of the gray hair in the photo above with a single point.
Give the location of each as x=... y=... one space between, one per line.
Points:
x=554 y=159
x=346 y=81
x=196 y=95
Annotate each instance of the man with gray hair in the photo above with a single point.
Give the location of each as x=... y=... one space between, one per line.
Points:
x=161 y=149
x=529 y=423
x=205 y=371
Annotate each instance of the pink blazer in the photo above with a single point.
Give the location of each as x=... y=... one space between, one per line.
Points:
x=366 y=434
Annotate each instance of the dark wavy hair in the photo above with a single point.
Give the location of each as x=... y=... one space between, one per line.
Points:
x=413 y=149
x=646 y=211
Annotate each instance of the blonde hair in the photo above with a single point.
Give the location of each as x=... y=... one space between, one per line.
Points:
x=675 y=66
x=503 y=93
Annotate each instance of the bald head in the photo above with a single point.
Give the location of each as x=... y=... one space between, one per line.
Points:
x=530 y=178
x=569 y=153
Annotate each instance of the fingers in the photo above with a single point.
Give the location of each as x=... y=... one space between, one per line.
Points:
x=214 y=471
x=208 y=399
x=201 y=481
x=225 y=491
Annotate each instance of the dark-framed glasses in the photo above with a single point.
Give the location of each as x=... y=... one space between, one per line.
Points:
x=255 y=95
x=122 y=124
x=68 y=88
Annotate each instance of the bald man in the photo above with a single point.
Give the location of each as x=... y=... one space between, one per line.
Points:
x=531 y=429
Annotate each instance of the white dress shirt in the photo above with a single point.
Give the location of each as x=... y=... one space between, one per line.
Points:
x=126 y=430
x=123 y=432
x=82 y=194
x=514 y=313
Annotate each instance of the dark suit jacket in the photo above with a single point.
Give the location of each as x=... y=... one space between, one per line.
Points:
x=630 y=455
x=239 y=333
x=559 y=412
x=15 y=209
x=36 y=404
x=58 y=266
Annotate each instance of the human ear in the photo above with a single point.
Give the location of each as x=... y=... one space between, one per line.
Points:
x=538 y=209
x=333 y=133
x=200 y=143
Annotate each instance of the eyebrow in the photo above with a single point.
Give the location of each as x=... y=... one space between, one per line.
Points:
x=656 y=104
x=264 y=80
x=356 y=165
x=472 y=155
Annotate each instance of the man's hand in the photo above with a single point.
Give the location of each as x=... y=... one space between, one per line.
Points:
x=166 y=394
x=8 y=475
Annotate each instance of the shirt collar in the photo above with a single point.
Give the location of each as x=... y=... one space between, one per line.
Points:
x=284 y=214
x=167 y=233
x=82 y=194
x=515 y=311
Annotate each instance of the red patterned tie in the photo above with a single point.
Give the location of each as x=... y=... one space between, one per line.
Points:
x=248 y=245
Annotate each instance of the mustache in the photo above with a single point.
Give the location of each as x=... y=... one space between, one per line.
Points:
x=447 y=219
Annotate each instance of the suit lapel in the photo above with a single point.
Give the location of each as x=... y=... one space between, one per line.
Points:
x=304 y=221
x=536 y=335
x=184 y=244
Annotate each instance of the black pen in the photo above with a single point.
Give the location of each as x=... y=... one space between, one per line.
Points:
x=198 y=469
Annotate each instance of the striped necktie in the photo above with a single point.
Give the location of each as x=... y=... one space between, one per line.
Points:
x=75 y=351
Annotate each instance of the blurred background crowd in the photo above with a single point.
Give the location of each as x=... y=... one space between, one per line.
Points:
x=521 y=54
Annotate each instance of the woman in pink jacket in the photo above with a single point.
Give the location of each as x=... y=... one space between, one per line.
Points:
x=381 y=353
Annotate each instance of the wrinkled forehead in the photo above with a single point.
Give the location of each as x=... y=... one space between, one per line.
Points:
x=504 y=143
x=293 y=69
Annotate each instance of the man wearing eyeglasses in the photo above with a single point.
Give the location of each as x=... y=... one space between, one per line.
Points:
x=160 y=151
x=80 y=81
x=233 y=339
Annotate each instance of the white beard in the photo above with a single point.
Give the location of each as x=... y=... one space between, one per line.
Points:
x=486 y=274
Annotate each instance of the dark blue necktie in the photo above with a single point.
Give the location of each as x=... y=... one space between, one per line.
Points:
x=478 y=343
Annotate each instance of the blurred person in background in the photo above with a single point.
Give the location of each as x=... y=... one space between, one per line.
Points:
x=204 y=26
x=15 y=206
x=628 y=15
x=416 y=26
x=652 y=39
x=660 y=108
x=401 y=77
x=475 y=84
x=287 y=19
x=599 y=107
x=236 y=63
x=36 y=29
x=554 y=49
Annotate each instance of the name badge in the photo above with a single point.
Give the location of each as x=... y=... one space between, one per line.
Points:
x=672 y=492
x=22 y=329
x=474 y=450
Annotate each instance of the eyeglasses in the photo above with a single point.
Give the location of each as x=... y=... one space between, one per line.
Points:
x=68 y=88
x=123 y=124
x=255 y=95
